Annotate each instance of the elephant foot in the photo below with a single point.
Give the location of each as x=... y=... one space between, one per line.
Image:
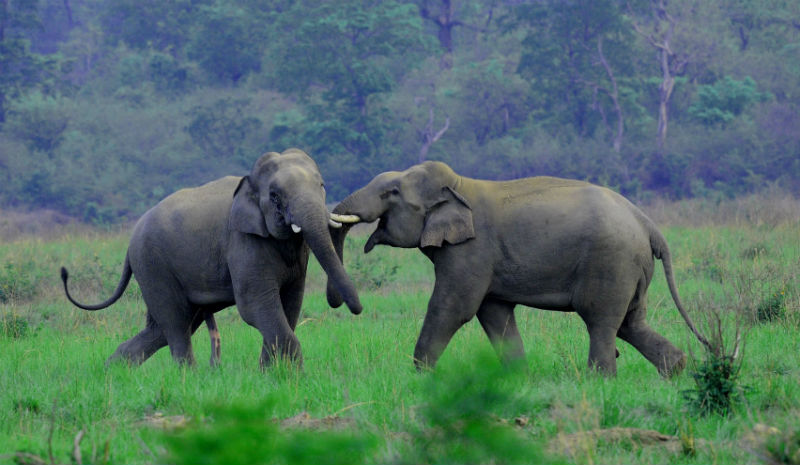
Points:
x=673 y=364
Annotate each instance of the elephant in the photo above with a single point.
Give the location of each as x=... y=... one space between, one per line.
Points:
x=236 y=240
x=544 y=242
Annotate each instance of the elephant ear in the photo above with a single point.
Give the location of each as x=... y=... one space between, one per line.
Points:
x=449 y=220
x=246 y=215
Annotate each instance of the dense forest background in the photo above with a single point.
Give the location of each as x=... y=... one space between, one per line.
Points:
x=106 y=106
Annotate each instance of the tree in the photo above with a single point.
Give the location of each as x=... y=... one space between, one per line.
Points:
x=685 y=34
x=447 y=15
x=227 y=41
x=571 y=54
x=156 y=24
x=19 y=68
x=339 y=59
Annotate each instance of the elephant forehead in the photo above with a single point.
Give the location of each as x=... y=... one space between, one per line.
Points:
x=386 y=178
x=295 y=168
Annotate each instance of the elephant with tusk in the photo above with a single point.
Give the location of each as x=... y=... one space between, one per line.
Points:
x=544 y=242
x=236 y=240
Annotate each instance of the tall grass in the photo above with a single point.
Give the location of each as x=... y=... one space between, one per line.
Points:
x=358 y=369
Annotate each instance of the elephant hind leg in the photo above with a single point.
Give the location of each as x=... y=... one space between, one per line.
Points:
x=668 y=359
x=603 y=315
x=140 y=347
x=498 y=321
x=213 y=333
x=176 y=318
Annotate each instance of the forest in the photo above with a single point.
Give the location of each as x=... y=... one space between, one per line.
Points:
x=107 y=106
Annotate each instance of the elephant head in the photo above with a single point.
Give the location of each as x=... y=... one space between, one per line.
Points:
x=418 y=207
x=283 y=197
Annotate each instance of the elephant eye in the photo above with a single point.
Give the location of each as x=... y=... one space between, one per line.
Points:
x=275 y=199
x=393 y=191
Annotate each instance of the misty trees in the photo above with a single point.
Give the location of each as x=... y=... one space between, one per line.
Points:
x=340 y=60
x=680 y=97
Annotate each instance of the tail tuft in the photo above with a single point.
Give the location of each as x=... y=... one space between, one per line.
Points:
x=64 y=274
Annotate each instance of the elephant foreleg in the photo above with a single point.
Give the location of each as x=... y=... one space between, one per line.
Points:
x=602 y=349
x=498 y=321
x=292 y=300
x=264 y=311
x=453 y=303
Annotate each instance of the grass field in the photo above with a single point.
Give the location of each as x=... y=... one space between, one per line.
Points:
x=358 y=385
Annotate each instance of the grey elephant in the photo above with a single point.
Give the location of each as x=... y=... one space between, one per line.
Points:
x=236 y=240
x=544 y=242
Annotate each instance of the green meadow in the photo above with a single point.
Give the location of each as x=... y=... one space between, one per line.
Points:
x=358 y=398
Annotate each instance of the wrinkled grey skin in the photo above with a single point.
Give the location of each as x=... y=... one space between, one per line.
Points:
x=231 y=242
x=544 y=242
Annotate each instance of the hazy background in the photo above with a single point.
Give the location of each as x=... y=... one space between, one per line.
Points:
x=106 y=106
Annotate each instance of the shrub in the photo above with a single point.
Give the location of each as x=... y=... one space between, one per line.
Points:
x=717 y=388
x=17 y=281
x=772 y=308
x=368 y=271
x=14 y=327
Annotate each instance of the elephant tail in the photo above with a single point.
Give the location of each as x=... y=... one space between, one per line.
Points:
x=661 y=251
x=127 y=272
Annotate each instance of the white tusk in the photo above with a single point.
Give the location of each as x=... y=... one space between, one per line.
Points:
x=334 y=224
x=296 y=228
x=345 y=218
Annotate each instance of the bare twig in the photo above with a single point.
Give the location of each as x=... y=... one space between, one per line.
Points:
x=429 y=137
x=50 y=435
x=76 y=449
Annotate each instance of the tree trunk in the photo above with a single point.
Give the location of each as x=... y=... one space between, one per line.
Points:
x=614 y=94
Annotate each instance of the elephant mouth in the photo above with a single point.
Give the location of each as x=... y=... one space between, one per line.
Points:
x=377 y=236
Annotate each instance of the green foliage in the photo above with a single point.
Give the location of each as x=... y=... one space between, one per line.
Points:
x=17 y=281
x=39 y=121
x=14 y=327
x=247 y=434
x=773 y=308
x=717 y=388
x=227 y=42
x=27 y=404
x=461 y=418
x=222 y=129
x=721 y=102
x=152 y=23
x=99 y=93
x=367 y=270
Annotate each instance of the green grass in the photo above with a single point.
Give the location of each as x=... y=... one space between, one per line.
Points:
x=54 y=383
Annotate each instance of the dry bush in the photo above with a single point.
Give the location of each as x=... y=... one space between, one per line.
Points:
x=46 y=224
x=771 y=207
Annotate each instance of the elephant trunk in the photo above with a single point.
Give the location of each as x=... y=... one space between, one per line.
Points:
x=345 y=207
x=315 y=232
x=337 y=235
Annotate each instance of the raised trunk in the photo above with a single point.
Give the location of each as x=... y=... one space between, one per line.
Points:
x=315 y=233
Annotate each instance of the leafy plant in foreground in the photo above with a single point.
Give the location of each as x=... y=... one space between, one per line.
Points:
x=461 y=419
x=247 y=434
